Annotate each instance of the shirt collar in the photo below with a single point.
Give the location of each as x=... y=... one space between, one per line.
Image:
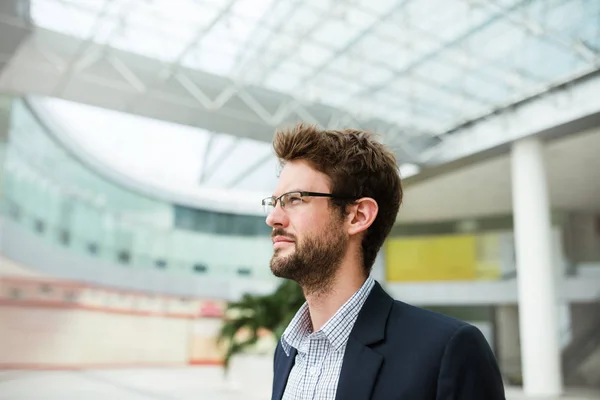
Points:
x=336 y=329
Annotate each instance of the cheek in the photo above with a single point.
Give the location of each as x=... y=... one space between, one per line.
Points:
x=317 y=229
x=307 y=224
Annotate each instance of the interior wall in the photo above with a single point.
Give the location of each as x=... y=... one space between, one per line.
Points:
x=5 y=105
x=51 y=323
x=582 y=238
x=508 y=343
x=204 y=349
x=16 y=243
x=590 y=369
x=54 y=337
x=584 y=316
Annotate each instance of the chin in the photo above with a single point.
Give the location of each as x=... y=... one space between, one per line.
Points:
x=278 y=263
x=277 y=271
x=282 y=252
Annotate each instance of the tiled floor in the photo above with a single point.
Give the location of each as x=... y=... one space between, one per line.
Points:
x=571 y=394
x=204 y=383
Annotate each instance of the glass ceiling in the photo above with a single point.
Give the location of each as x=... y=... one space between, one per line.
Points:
x=426 y=66
x=173 y=157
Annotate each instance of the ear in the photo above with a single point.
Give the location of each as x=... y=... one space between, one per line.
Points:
x=362 y=214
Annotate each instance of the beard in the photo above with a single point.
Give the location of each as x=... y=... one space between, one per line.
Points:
x=314 y=261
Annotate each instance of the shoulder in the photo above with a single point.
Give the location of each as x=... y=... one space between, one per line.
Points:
x=408 y=321
x=404 y=323
x=432 y=332
x=406 y=313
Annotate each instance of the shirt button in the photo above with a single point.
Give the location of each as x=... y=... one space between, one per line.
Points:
x=312 y=370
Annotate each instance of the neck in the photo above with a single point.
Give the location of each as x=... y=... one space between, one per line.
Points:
x=323 y=305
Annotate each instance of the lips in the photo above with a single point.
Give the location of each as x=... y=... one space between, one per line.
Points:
x=282 y=239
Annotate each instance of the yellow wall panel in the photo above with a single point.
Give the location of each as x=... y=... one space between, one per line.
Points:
x=431 y=258
x=489 y=256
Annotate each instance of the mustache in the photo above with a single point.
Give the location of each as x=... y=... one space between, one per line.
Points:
x=281 y=232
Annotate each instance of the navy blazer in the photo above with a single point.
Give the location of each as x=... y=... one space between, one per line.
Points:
x=400 y=352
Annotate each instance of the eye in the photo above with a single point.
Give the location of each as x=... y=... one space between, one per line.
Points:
x=268 y=202
x=294 y=199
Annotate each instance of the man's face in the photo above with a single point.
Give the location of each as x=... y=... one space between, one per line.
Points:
x=309 y=237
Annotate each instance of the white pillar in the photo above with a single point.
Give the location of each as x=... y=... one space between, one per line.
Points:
x=540 y=349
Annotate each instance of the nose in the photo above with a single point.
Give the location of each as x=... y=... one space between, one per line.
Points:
x=277 y=217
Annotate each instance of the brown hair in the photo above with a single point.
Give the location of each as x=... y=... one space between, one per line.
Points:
x=357 y=166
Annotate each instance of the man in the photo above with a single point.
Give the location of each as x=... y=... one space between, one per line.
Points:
x=335 y=203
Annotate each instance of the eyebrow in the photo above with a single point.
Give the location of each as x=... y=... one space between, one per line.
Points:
x=291 y=191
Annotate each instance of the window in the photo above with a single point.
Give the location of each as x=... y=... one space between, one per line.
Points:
x=92 y=248
x=65 y=237
x=45 y=288
x=124 y=257
x=39 y=226
x=200 y=268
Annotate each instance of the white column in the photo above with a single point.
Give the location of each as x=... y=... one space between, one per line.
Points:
x=540 y=349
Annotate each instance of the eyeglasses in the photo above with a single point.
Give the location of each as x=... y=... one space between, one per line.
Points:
x=292 y=199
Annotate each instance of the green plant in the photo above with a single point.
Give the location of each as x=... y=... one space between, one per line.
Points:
x=246 y=318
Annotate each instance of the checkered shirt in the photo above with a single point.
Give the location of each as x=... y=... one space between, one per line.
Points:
x=320 y=354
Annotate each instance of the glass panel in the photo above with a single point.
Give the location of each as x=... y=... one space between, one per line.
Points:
x=47 y=192
x=284 y=46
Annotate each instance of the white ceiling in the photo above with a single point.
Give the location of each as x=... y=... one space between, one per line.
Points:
x=484 y=189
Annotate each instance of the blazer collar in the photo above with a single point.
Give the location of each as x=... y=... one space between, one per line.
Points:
x=361 y=363
x=283 y=367
x=372 y=319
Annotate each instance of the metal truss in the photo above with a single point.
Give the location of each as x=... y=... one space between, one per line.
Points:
x=209 y=170
x=248 y=171
x=102 y=75
x=69 y=68
x=585 y=52
x=174 y=67
x=552 y=111
x=204 y=158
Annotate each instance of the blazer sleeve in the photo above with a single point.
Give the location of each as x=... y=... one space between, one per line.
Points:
x=469 y=370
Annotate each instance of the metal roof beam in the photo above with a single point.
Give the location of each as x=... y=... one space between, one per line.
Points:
x=549 y=112
x=14 y=28
x=194 y=97
x=167 y=72
x=215 y=165
x=248 y=171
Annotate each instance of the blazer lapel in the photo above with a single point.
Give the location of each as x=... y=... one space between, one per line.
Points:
x=359 y=371
x=361 y=363
x=282 y=372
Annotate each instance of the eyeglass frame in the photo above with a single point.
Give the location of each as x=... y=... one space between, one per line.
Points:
x=303 y=194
